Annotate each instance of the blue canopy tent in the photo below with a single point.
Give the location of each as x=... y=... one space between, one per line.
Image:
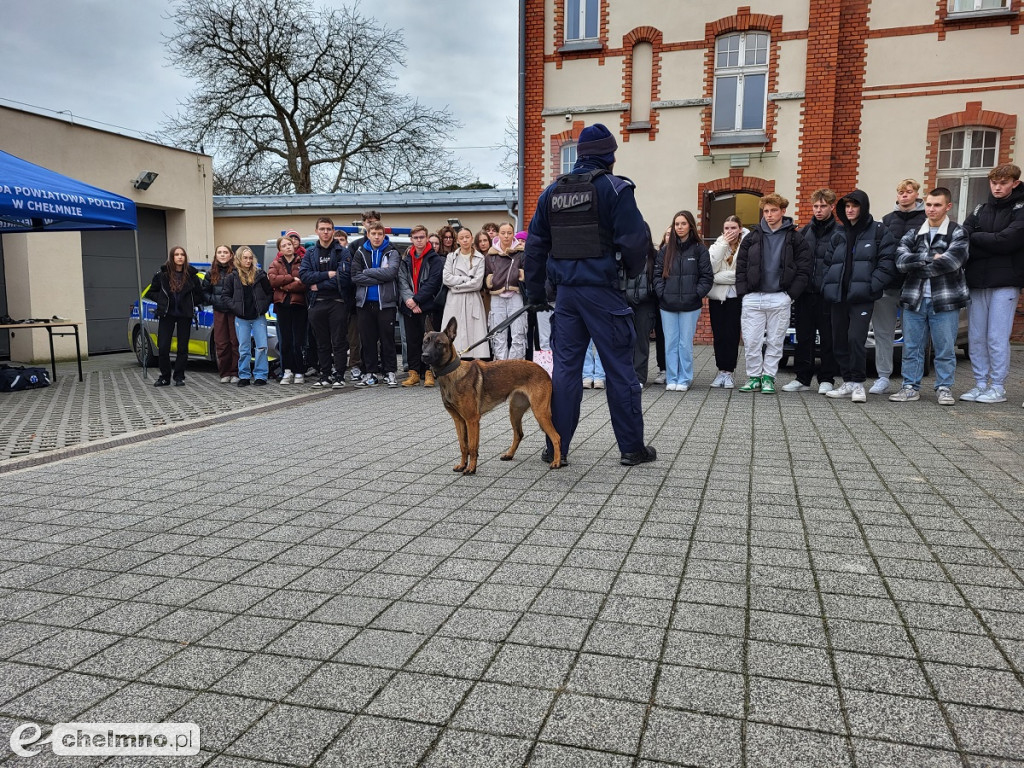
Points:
x=35 y=199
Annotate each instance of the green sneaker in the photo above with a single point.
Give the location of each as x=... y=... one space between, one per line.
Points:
x=753 y=385
x=768 y=385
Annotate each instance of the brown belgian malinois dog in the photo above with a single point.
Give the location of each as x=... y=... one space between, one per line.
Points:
x=470 y=388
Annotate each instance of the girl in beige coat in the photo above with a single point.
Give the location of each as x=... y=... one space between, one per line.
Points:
x=464 y=276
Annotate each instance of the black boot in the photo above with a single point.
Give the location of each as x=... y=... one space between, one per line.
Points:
x=639 y=457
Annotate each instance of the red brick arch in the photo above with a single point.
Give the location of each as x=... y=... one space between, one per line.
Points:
x=650 y=35
x=972 y=115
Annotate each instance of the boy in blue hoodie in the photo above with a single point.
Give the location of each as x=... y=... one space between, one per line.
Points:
x=375 y=276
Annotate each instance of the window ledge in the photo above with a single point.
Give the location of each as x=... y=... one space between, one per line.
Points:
x=991 y=13
x=643 y=125
x=738 y=139
x=574 y=46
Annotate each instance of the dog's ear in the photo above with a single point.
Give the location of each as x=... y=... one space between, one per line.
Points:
x=428 y=326
x=450 y=329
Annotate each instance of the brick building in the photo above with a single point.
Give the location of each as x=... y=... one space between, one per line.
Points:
x=715 y=105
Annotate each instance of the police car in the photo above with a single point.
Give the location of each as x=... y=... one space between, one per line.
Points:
x=143 y=336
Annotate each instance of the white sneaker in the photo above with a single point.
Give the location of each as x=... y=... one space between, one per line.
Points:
x=728 y=383
x=225 y=379
x=670 y=387
x=858 y=395
x=795 y=386
x=588 y=383
x=682 y=387
x=233 y=380
x=846 y=390
x=880 y=387
x=825 y=387
x=719 y=381
x=945 y=397
x=993 y=394
x=598 y=383
x=907 y=394
x=972 y=395
x=355 y=374
x=391 y=380
x=660 y=378
x=287 y=378
x=299 y=379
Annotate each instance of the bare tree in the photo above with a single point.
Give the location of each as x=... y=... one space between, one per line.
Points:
x=296 y=99
x=509 y=164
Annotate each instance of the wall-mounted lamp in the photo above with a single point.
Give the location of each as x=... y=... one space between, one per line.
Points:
x=455 y=224
x=145 y=180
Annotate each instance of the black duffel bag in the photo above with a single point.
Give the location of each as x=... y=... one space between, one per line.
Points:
x=14 y=378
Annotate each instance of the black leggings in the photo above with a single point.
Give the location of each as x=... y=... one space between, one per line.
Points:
x=168 y=328
x=725 y=330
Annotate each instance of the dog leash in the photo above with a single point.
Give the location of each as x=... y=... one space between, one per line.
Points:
x=502 y=326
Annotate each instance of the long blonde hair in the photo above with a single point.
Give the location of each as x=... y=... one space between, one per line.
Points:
x=734 y=248
x=246 y=274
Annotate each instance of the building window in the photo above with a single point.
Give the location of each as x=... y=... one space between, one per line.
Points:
x=974 y=6
x=741 y=82
x=568 y=157
x=965 y=157
x=581 y=19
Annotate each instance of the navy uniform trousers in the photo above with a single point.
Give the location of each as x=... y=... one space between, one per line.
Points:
x=583 y=313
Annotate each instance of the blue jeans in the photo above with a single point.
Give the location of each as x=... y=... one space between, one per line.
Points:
x=916 y=327
x=679 y=329
x=256 y=330
x=592 y=368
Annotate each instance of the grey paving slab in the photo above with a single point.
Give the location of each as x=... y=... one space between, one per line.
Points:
x=845 y=589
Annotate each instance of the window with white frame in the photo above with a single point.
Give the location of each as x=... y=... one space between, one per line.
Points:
x=568 y=157
x=581 y=19
x=974 y=6
x=965 y=157
x=741 y=82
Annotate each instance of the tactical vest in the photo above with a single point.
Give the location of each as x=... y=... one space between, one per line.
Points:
x=576 y=231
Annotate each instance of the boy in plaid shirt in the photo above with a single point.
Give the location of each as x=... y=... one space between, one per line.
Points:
x=932 y=257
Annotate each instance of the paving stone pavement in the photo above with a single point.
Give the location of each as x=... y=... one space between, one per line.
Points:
x=114 y=400
x=795 y=582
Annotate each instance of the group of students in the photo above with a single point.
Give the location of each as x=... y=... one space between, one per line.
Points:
x=336 y=303
x=845 y=272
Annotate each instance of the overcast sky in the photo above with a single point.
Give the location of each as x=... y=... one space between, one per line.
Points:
x=103 y=61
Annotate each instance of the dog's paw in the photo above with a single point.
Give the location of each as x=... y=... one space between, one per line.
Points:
x=469 y=471
x=458 y=467
x=556 y=464
x=507 y=456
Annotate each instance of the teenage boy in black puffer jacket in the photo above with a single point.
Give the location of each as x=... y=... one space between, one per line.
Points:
x=861 y=262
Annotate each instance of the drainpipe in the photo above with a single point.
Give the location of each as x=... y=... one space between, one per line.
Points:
x=521 y=166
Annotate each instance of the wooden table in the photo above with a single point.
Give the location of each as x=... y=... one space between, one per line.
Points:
x=50 y=326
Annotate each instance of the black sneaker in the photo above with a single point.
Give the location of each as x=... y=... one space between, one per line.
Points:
x=369 y=380
x=260 y=383
x=322 y=384
x=633 y=458
x=244 y=382
x=162 y=382
x=179 y=382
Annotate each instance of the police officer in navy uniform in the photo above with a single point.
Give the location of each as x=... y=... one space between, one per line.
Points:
x=586 y=237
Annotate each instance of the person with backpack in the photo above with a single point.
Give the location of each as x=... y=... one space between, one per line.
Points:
x=995 y=274
x=177 y=290
x=860 y=263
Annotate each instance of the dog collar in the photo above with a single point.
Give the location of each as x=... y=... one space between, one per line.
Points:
x=453 y=365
